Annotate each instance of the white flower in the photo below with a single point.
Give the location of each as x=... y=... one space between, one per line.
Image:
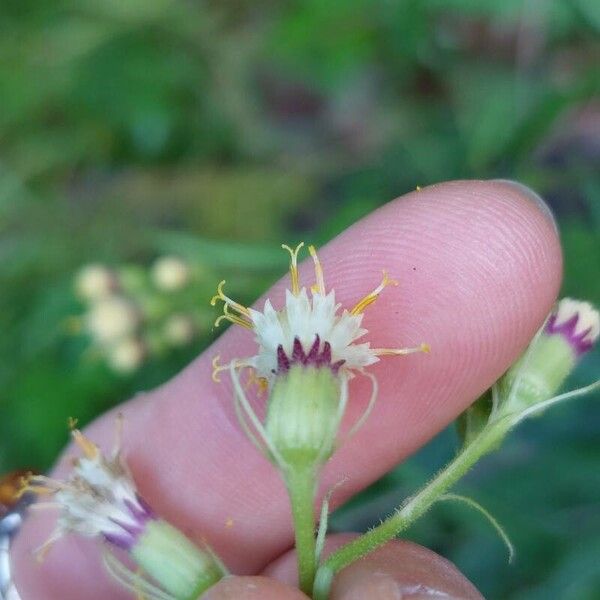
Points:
x=307 y=352
x=311 y=329
x=98 y=500
x=170 y=273
x=126 y=355
x=111 y=319
x=179 y=329
x=94 y=282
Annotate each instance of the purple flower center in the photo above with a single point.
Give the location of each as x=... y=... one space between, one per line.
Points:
x=315 y=357
x=130 y=532
x=568 y=330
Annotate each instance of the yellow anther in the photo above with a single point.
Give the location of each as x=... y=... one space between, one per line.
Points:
x=418 y=188
x=320 y=284
x=72 y=423
x=294 y=266
x=89 y=449
x=372 y=296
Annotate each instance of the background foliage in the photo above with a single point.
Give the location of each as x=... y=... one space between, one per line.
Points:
x=214 y=130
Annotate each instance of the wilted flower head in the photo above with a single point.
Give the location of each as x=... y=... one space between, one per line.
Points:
x=99 y=498
x=170 y=273
x=310 y=335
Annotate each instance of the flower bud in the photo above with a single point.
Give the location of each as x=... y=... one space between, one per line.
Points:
x=94 y=282
x=179 y=330
x=126 y=355
x=112 y=318
x=570 y=331
x=303 y=414
x=170 y=273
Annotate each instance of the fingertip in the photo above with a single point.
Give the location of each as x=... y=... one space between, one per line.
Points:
x=252 y=588
x=402 y=570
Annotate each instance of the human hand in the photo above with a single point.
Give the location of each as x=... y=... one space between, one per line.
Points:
x=479 y=266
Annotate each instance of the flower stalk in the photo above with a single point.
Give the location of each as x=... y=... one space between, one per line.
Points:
x=411 y=510
x=301 y=485
x=526 y=389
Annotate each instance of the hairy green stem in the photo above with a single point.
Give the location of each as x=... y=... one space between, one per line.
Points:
x=411 y=510
x=301 y=485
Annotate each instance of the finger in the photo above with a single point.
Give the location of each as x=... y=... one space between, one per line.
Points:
x=400 y=569
x=479 y=265
x=252 y=588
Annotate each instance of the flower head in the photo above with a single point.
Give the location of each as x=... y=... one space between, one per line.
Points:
x=95 y=281
x=99 y=498
x=111 y=319
x=312 y=329
x=170 y=273
x=577 y=322
x=570 y=331
x=306 y=353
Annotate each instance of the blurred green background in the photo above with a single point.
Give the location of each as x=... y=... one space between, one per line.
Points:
x=213 y=131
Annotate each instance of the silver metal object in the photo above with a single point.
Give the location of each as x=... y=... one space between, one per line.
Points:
x=10 y=523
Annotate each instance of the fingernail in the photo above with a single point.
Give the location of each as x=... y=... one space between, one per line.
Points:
x=534 y=197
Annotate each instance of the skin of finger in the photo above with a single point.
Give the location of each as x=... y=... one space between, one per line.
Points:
x=252 y=588
x=479 y=266
x=398 y=570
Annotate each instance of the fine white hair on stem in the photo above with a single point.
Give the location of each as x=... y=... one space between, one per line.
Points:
x=240 y=396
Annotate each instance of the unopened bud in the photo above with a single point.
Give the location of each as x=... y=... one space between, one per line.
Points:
x=95 y=282
x=570 y=331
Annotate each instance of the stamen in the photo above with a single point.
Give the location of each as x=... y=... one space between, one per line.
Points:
x=220 y=295
x=371 y=297
x=89 y=449
x=320 y=285
x=233 y=318
x=294 y=266
x=217 y=368
x=401 y=351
